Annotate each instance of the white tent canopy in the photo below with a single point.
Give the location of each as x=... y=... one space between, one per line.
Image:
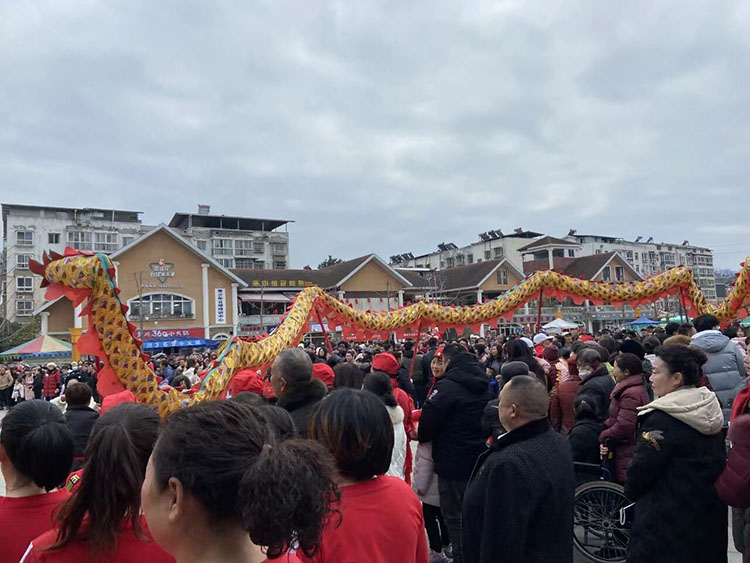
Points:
x=559 y=325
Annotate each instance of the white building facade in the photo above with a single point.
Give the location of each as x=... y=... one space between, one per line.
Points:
x=30 y=230
x=242 y=243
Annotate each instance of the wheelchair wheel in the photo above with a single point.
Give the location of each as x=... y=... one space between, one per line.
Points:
x=597 y=533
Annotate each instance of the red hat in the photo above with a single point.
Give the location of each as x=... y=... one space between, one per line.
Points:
x=324 y=372
x=246 y=380
x=386 y=363
x=586 y=338
x=111 y=401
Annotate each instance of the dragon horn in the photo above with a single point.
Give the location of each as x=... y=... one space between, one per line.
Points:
x=37 y=268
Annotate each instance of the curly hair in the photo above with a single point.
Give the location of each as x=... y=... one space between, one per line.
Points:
x=230 y=461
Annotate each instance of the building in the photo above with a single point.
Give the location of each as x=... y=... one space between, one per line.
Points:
x=173 y=290
x=365 y=283
x=649 y=258
x=29 y=230
x=493 y=245
x=236 y=242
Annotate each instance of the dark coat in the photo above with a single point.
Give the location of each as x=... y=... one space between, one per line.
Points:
x=678 y=516
x=426 y=368
x=491 y=426
x=619 y=432
x=80 y=420
x=417 y=375
x=733 y=485
x=595 y=390
x=518 y=507
x=452 y=418
x=584 y=441
x=300 y=401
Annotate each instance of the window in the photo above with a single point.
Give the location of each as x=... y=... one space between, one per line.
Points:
x=619 y=273
x=606 y=274
x=127 y=240
x=469 y=258
x=22 y=261
x=24 y=307
x=460 y=259
x=161 y=306
x=226 y=262
x=487 y=254
x=53 y=238
x=25 y=284
x=24 y=238
x=244 y=263
x=222 y=247
x=258 y=247
x=79 y=240
x=502 y=277
x=499 y=252
x=202 y=245
x=571 y=253
x=243 y=247
x=449 y=262
x=105 y=242
x=260 y=265
x=279 y=248
x=279 y=265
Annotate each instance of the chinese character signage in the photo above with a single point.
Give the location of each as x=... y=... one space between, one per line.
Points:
x=221 y=305
x=150 y=334
x=161 y=270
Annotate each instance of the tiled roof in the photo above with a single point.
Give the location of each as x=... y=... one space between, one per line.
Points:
x=588 y=266
x=546 y=241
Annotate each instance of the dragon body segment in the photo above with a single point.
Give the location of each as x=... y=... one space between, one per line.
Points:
x=89 y=280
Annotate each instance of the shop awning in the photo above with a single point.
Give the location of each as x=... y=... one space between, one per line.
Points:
x=266 y=298
x=180 y=343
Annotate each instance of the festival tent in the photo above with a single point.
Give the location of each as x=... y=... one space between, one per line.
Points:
x=559 y=325
x=643 y=321
x=43 y=346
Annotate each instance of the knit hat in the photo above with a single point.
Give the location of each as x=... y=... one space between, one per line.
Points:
x=633 y=347
x=52 y=365
x=324 y=372
x=386 y=363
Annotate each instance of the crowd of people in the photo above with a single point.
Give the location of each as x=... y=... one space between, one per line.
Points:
x=458 y=450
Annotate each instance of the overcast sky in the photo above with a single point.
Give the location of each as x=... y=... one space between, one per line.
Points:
x=387 y=127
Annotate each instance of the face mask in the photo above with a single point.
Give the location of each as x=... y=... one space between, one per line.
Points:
x=584 y=373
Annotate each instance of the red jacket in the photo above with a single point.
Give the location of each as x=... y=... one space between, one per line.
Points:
x=625 y=398
x=561 y=409
x=733 y=485
x=51 y=384
x=407 y=405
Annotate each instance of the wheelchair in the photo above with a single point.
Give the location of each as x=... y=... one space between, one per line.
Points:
x=599 y=533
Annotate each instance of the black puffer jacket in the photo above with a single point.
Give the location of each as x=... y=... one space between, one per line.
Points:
x=300 y=401
x=678 y=514
x=452 y=417
x=80 y=420
x=595 y=390
x=518 y=507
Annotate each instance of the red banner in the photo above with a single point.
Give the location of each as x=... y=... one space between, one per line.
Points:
x=153 y=333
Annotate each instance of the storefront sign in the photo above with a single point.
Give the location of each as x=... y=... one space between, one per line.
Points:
x=171 y=333
x=161 y=270
x=221 y=305
x=281 y=283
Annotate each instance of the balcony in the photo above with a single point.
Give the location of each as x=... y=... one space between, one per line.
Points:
x=254 y=320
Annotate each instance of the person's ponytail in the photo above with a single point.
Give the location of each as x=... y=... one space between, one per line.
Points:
x=287 y=494
x=110 y=490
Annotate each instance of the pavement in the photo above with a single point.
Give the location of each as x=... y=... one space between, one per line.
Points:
x=732 y=555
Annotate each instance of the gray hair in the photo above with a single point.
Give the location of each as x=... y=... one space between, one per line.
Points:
x=589 y=356
x=529 y=395
x=294 y=365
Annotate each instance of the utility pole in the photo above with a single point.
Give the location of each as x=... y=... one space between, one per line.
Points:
x=261 y=309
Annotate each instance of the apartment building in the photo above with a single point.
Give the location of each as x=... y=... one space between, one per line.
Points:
x=648 y=257
x=29 y=230
x=241 y=243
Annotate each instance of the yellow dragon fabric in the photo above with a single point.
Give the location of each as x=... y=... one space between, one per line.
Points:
x=89 y=280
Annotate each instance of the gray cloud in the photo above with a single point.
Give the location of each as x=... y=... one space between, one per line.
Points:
x=384 y=126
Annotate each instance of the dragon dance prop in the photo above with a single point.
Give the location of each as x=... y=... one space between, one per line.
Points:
x=88 y=280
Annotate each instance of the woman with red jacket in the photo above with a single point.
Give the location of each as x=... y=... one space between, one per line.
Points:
x=629 y=394
x=562 y=408
x=733 y=485
x=36 y=450
x=380 y=517
x=101 y=520
x=51 y=382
